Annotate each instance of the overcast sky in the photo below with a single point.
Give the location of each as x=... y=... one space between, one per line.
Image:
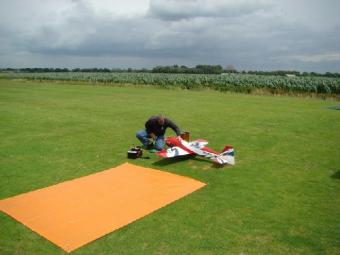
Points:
x=302 y=35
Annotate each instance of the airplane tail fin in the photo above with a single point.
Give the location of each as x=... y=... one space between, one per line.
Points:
x=227 y=156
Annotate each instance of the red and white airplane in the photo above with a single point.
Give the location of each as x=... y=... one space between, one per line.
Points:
x=180 y=147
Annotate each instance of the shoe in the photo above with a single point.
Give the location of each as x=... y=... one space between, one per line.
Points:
x=149 y=146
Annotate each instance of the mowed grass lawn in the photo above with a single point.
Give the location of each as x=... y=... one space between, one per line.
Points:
x=282 y=197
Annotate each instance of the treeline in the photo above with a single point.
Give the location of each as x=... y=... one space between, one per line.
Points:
x=217 y=69
x=80 y=70
x=198 y=69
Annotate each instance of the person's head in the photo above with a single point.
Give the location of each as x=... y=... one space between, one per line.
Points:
x=160 y=120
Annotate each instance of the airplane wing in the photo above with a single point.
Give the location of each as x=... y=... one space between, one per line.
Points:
x=173 y=152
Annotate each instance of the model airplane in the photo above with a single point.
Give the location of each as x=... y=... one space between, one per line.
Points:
x=180 y=147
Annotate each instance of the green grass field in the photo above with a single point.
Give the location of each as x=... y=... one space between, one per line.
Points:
x=282 y=197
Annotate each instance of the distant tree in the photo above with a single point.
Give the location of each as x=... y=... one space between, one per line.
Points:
x=210 y=69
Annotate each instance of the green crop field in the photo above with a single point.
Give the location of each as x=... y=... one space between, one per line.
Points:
x=245 y=83
x=281 y=197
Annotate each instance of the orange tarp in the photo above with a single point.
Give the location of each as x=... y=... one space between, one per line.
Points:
x=76 y=212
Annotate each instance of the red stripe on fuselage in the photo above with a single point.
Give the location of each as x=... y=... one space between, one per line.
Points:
x=162 y=154
x=186 y=149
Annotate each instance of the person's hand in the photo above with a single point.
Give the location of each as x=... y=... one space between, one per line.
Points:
x=153 y=136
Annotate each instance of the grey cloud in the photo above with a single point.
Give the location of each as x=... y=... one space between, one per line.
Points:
x=178 y=9
x=216 y=32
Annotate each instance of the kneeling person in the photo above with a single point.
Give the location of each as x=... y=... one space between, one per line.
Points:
x=155 y=129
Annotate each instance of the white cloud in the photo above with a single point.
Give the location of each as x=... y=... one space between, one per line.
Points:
x=126 y=8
